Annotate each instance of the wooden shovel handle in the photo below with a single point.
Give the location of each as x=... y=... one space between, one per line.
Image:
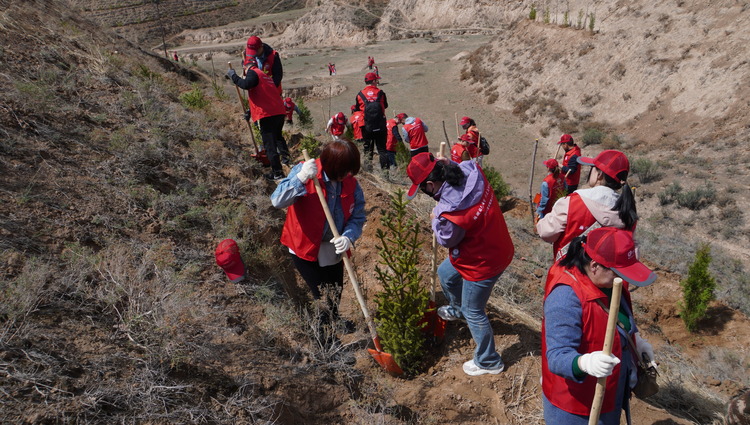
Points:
x=433 y=276
x=242 y=105
x=601 y=383
x=347 y=260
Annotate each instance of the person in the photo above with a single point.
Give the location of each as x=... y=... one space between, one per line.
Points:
x=599 y=205
x=551 y=189
x=266 y=109
x=337 y=125
x=357 y=120
x=470 y=128
x=265 y=58
x=370 y=62
x=373 y=102
x=316 y=254
x=460 y=149
x=466 y=213
x=290 y=108
x=576 y=304
x=393 y=139
x=414 y=134
x=175 y=57
x=570 y=168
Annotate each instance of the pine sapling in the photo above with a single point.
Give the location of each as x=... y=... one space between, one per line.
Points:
x=404 y=300
x=697 y=289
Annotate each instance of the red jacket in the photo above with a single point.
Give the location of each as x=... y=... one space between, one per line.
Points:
x=457 y=152
x=249 y=60
x=417 y=137
x=565 y=394
x=303 y=229
x=579 y=219
x=477 y=256
x=391 y=142
x=573 y=178
x=555 y=186
x=371 y=93
x=358 y=120
x=264 y=98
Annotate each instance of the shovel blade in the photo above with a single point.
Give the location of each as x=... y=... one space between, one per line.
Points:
x=435 y=325
x=261 y=157
x=385 y=360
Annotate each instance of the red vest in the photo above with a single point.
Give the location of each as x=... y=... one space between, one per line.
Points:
x=390 y=142
x=555 y=186
x=417 y=138
x=457 y=152
x=371 y=93
x=264 y=98
x=303 y=229
x=289 y=108
x=573 y=178
x=267 y=65
x=358 y=120
x=486 y=249
x=579 y=219
x=336 y=128
x=563 y=393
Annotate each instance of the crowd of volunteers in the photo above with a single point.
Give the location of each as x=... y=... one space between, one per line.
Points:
x=591 y=231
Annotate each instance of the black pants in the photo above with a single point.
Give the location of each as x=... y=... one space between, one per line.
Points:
x=416 y=152
x=320 y=278
x=377 y=138
x=273 y=141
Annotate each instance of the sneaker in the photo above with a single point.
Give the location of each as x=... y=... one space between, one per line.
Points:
x=274 y=176
x=285 y=160
x=472 y=369
x=446 y=313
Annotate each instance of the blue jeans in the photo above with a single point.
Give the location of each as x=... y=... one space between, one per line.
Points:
x=468 y=299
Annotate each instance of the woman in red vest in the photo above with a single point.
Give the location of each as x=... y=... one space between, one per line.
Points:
x=460 y=149
x=570 y=165
x=576 y=304
x=337 y=125
x=552 y=188
x=599 y=206
x=466 y=213
x=315 y=253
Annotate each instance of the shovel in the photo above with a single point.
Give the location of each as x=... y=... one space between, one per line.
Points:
x=384 y=359
x=259 y=155
x=601 y=383
x=531 y=179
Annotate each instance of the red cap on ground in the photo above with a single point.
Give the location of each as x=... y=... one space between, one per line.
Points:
x=253 y=45
x=551 y=164
x=465 y=121
x=340 y=118
x=614 y=248
x=611 y=162
x=228 y=258
x=371 y=76
x=566 y=138
x=418 y=169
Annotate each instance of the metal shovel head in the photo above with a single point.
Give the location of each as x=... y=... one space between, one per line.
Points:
x=384 y=359
x=261 y=157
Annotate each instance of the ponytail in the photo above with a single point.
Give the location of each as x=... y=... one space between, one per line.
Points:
x=625 y=205
x=576 y=256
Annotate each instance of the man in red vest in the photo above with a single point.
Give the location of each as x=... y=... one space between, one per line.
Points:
x=460 y=149
x=466 y=213
x=265 y=58
x=373 y=102
x=290 y=108
x=570 y=168
x=393 y=139
x=266 y=109
x=337 y=125
x=551 y=189
x=414 y=134
x=358 y=121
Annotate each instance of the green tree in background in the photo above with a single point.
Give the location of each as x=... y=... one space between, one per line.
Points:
x=697 y=289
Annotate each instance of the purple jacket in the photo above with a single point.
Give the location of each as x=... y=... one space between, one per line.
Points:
x=456 y=198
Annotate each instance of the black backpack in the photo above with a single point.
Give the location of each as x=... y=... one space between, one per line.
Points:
x=374 y=116
x=484 y=147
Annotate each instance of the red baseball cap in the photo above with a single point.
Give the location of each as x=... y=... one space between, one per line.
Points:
x=253 y=45
x=566 y=138
x=466 y=137
x=464 y=121
x=288 y=100
x=614 y=248
x=371 y=76
x=228 y=258
x=418 y=170
x=354 y=108
x=551 y=164
x=340 y=118
x=401 y=117
x=611 y=162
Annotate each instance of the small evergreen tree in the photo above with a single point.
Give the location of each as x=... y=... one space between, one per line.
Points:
x=305 y=116
x=532 y=13
x=697 y=289
x=592 y=21
x=404 y=300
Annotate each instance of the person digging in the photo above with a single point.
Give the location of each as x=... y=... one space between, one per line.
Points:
x=467 y=211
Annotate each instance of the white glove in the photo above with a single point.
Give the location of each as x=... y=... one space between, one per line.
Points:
x=597 y=364
x=342 y=244
x=644 y=347
x=308 y=171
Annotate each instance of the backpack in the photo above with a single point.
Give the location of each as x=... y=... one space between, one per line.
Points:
x=484 y=147
x=373 y=111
